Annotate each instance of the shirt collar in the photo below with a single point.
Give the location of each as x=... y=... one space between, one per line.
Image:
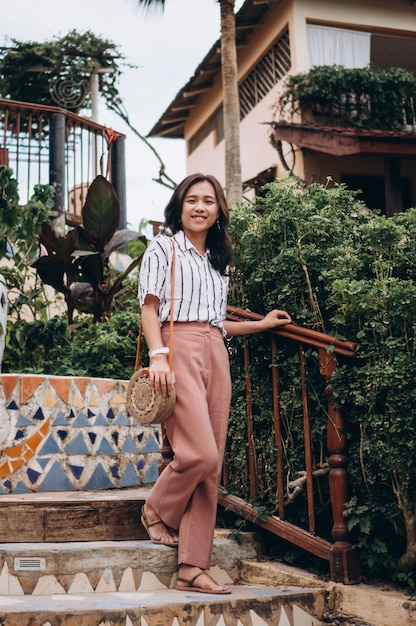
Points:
x=184 y=243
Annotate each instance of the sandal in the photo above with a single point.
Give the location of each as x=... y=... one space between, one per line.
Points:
x=147 y=525
x=195 y=588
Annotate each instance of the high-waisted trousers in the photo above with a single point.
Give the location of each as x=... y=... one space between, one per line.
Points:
x=185 y=495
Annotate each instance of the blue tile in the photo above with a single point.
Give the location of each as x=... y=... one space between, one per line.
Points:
x=23 y=421
x=42 y=462
x=140 y=464
x=129 y=446
x=151 y=446
x=77 y=446
x=129 y=478
x=56 y=480
x=12 y=406
x=21 y=488
x=62 y=434
x=100 y=420
x=114 y=471
x=105 y=448
x=49 y=447
x=90 y=413
x=140 y=437
x=32 y=475
x=39 y=415
x=98 y=480
x=60 y=420
x=77 y=471
x=19 y=435
x=152 y=473
x=115 y=437
x=80 y=420
x=92 y=437
x=110 y=413
x=122 y=420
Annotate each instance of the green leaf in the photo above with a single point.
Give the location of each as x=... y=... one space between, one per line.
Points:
x=101 y=212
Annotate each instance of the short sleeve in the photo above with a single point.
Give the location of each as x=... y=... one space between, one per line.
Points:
x=153 y=271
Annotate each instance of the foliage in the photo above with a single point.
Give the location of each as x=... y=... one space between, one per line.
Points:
x=33 y=71
x=20 y=227
x=105 y=350
x=77 y=264
x=363 y=98
x=317 y=252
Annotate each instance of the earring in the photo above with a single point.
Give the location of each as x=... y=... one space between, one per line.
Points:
x=218 y=225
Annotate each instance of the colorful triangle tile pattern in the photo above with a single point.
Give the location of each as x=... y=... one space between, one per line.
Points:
x=58 y=432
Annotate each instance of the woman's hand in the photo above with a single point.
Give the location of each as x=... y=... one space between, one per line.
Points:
x=275 y=318
x=160 y=377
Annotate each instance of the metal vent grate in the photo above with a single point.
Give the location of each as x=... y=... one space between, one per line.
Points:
x=29 y=563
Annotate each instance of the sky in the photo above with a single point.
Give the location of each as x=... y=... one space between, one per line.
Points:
x=166 y=48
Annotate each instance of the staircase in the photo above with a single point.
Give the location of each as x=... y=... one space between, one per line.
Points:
x=83 y=559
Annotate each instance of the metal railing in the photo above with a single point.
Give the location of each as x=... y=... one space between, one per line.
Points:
x=343 y=563
x=50 y=145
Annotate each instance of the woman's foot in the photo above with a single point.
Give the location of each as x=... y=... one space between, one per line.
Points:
x=195 y=579
x=156 y=529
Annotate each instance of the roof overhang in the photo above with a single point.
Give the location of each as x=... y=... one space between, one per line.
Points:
x=340 y=141
x=172 y=122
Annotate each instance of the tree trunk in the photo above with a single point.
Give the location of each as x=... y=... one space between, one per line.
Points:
x=407 y=561
x=231 y=103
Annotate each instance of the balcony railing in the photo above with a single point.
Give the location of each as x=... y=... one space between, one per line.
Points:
x=49 y=145
x=331 y=475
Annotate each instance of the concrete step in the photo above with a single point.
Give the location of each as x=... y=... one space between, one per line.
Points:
x=108 y=566
x=247 y=605
x=101 y=515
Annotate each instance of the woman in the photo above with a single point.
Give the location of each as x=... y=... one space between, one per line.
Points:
x=181 y=507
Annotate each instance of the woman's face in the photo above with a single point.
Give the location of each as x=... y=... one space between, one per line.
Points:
x=199 y=209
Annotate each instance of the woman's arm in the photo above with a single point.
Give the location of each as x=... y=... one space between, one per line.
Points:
x=271 y=320
x=160 y=376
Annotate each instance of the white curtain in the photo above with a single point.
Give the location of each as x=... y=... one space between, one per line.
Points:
x=338 y=46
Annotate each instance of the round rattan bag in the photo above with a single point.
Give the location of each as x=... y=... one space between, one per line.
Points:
x=144 y=404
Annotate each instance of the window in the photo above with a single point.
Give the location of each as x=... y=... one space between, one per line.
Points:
x=338 y=46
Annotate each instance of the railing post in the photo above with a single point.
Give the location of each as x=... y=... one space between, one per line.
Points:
x=118 y=177
x=343 y=562
x=57 y=160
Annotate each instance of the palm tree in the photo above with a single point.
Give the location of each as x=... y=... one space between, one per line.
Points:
x=231 y=103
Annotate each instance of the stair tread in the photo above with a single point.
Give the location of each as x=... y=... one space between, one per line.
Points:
x=55 y=497
x=142 y=599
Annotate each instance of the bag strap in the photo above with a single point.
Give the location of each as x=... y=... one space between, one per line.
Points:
x=172 y=285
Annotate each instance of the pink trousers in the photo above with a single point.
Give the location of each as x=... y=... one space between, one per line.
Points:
x=186 y=493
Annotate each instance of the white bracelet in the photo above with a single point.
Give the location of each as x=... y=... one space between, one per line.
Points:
x=158 y=351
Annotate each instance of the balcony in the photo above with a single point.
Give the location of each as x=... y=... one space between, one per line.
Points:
x=50 y=145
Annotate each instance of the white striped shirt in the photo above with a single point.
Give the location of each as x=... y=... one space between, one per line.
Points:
x=200 y=293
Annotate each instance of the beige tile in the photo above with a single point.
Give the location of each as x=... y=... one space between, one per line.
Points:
x=81 y=584
x=256 y=620
x=106 y=583
x=127 y=581
x=9 y=584
x=47 y=585
x=150 y=582
x=301 y=618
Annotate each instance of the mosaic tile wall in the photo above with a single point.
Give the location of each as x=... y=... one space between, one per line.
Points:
x=71 y=434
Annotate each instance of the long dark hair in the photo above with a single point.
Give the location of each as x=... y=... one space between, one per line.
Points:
x=218 y=239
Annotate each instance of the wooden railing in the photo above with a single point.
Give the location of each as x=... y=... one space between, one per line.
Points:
x=49 y=145
x=343 y=563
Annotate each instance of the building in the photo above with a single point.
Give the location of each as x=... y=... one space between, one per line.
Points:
x=280 y=37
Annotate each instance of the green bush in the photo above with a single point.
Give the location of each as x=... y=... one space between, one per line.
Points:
x=317 y=252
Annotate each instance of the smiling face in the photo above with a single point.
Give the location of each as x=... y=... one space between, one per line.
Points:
x=200 y=210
